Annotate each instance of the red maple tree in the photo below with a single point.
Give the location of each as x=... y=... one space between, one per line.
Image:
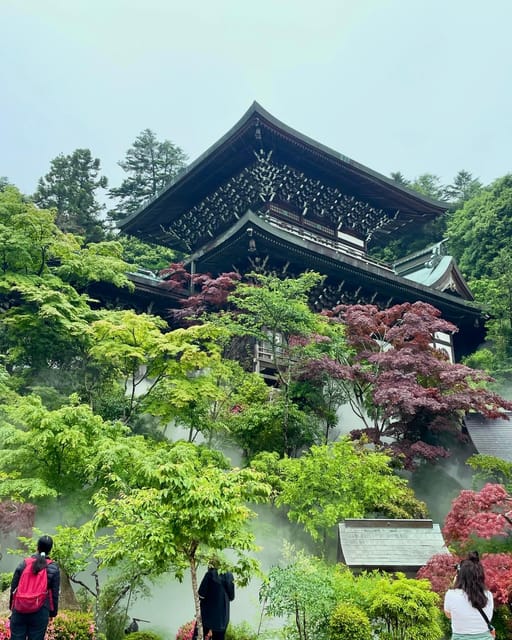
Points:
x=481 y=514
x=17 y=517
x=440 y=572
x=399 y=383
x=201 y=292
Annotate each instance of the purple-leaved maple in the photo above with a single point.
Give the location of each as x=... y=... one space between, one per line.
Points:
x=403 y=388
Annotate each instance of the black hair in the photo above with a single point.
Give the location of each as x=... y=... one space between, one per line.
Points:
x=471 y=579
x=44 y=546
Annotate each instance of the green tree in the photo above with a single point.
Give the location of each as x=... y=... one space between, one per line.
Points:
x=343 y=480
x=150 y=165
x=494 y=294
x=399 y=177
x=227 y=391
x=348 y=622
x=163 y=373
x=180 y=507
x=70 y=187
x=44 y=327
x=143 y=255
x=482 y=228
x=428 y=184
x=464 y=187
x=303 y=591
x=275 y=313
x=416 y=238
x=67 y=441
x=259 y=427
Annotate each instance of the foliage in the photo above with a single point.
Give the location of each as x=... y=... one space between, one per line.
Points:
x=98 y=262
x=186 y=631
x=44 y=328
x=70 y=187
x=479 y=514
x=66 y=441
x=5 y=628
x=163 y=373
x=343 y=480
x=491 y=469
x=348 y=622
x=312 y=595
x=16 y=517
x=482 y=228
x=5 y=580
x=408 y=609
x=494 y=293
x=223 y=397
x=428 y=184
x=150 y=166
x=178 y=506
x=207 y=294
x=71 y=624
x=463 y=188
x=259 y=428
x=275 y=313
x=240 y=631
x=440 y=571
x=29 y=237
x=144 y=255
x=145 y=635
x=303 y=592
x=400 y=385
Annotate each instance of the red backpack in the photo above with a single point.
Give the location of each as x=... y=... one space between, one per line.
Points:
x=32 y=590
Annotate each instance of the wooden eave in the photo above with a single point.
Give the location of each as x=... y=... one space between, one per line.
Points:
x=221 y=254
x=235 y=150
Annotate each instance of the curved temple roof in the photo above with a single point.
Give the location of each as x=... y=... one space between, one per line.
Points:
x=259 y=130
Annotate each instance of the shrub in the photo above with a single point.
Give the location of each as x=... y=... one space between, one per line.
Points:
x=5 y=580
x=185 y=632
x=348 y=622
x=71 y=624
x=5 y=631
x=406 y=609
x=240 y=631
x=145 y=635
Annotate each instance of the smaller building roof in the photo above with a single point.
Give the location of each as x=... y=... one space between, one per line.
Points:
x=432 y=267
x=394 y=545
x=491 y=437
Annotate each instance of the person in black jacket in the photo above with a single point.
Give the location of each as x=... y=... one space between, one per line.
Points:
x=32 y=626
x=216 y=591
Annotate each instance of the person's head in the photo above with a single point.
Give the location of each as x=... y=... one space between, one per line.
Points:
x=44 y=545
x=471 y=579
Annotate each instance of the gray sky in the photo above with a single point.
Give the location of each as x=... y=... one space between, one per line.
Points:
x=409 y=85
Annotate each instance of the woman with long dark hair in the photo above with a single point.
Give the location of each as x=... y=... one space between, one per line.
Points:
x=469 y=605
x=32 y=625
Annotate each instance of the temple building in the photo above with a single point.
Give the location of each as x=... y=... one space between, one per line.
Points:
x=268 y=199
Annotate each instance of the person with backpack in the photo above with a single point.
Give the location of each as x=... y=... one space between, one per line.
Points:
x=34 y=597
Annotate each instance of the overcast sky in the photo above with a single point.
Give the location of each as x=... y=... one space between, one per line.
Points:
x=411 y=85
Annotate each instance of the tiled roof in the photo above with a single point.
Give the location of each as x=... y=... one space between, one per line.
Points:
x=491 y=437
x=395 y=544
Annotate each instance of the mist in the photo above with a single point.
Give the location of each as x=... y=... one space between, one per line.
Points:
x=171 y=602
